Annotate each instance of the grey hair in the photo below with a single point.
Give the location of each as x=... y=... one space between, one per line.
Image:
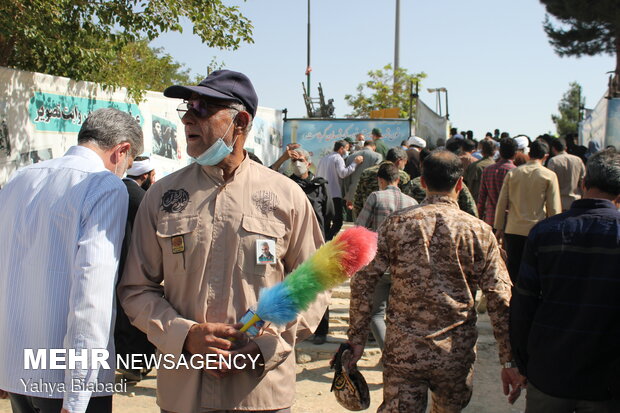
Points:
x=236 y=107
x=304 y=153
x=603 y=172
x=108 y=127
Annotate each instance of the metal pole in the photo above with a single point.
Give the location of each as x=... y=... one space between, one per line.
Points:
x=447 y=112
x=397 y=38
x=308 y=66
x=439 y=97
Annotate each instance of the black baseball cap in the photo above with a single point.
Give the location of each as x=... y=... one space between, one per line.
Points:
x=221 y=85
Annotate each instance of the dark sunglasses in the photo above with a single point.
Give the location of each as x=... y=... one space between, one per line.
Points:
x=199 y=107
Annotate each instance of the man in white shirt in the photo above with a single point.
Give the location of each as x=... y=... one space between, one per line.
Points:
x=333 y=169
x=63 y=223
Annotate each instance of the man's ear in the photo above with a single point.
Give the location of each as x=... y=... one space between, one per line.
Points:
x=423 y=183
x=122 y=148
x=242 y=120
x=459 y=185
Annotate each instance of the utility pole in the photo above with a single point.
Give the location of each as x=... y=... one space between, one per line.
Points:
x=396 y=42
x=308 y=68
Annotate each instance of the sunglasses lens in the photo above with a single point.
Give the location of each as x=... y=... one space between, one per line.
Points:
x=198 y=108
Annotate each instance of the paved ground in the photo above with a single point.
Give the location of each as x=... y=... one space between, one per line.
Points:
x=314 y=376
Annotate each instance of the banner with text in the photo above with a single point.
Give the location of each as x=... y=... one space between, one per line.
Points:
x=317 y=136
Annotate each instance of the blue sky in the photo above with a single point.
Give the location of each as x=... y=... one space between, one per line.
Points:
x=492 y=55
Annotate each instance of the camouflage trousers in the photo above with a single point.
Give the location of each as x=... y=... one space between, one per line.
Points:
x=443 y=364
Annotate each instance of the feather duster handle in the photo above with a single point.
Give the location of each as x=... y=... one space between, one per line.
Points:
x=329 y=266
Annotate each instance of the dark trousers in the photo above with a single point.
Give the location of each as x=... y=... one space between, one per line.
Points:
x=539 y=402
x=514 y=249
x=31 y=404
x=333 y=226
x=323 y=327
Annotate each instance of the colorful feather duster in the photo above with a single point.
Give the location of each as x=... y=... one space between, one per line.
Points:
x=329 y=266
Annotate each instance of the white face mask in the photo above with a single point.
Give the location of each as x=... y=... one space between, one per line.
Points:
x=300 y=168
x=218 y=151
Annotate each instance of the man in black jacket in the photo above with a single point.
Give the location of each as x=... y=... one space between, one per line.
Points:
x=565 y=308
x=316 y=191
x=127 y=338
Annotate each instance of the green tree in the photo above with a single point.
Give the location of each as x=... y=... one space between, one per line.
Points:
x=586 y=28
x=384 y=92
x=81 y=39
x=568 y=119
x=146 y=68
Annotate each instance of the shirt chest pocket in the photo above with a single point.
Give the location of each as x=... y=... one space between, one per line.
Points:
x=177 y=237
x=253 y=232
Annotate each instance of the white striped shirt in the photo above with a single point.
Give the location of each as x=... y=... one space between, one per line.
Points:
x=63 y=222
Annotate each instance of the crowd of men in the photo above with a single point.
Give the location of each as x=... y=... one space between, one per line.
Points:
x=540 y=237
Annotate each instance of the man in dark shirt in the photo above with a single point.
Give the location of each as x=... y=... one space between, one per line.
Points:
x=565 y=310
x=127 y=338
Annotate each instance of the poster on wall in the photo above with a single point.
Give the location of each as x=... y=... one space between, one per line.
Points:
x=265 y=138
x=318 y=136
x=5 y=138
x=613 y=123
x=165 y=138
x=59 y=113
x=37 y=156
x=593 y=127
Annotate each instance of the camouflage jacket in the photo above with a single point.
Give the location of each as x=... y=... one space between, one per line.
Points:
x=466 y=201
x=368 y=184
x=438 y=256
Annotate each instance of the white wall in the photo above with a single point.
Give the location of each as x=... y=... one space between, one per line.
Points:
x=40 y=116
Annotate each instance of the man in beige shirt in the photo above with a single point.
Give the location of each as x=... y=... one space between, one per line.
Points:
x=530 y=193
x=570 y=171
x=193 y=267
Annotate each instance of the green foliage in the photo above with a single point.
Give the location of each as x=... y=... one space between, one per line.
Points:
x=568 y=119
x=586 y=27
x=83 y=39
x=141 y=68
x=384 y=93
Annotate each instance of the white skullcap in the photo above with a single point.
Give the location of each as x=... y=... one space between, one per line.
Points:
x=458 y=136
x=140 y=167
x=522 y=143
x=417 y=141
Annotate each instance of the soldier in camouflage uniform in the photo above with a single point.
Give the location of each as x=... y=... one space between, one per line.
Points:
x=438 y=255
x=368 y=183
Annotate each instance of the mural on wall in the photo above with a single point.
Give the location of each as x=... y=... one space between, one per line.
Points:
x=165 y=138
x=613 y=123
x=36 y=125
x=59 y=113
x=265 y=138
x=5 y=139
x=318 y=136
x=37 y=156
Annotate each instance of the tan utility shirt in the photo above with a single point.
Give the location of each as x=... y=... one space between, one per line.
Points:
x=530 y=193
x=193 y=259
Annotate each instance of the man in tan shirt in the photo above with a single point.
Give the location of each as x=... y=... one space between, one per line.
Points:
x=193 y=267
x=530 y=193
x=570 y=171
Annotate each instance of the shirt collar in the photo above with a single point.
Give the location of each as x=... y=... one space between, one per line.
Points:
x=88 y=154
x=217 y=174
x=440 y=199
x=592 y=203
